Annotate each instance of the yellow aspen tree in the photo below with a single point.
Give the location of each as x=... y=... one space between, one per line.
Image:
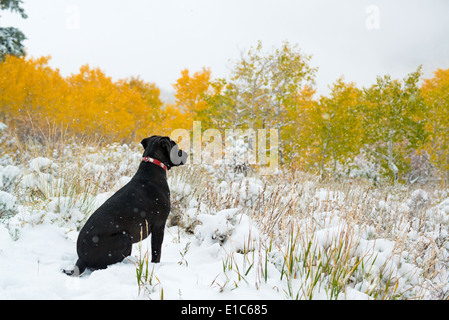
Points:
x=436 y=97
x=190 y=90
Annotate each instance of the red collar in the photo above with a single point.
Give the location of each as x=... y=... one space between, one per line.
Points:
x=155 y=161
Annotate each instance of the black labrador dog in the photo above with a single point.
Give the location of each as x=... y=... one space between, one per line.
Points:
x=135 y=211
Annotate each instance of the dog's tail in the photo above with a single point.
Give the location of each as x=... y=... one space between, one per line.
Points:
x=79 y=269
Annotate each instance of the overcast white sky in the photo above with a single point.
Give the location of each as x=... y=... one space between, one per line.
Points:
x=359 y=39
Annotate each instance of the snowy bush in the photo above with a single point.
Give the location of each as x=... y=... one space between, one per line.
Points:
x=361 y=166
x=9 y=177
x=235 y=161
x=8 y=205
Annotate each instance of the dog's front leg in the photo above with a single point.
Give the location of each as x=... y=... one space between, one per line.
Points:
x=157 y=237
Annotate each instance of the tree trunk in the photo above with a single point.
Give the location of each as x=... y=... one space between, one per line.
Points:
x=394 y=169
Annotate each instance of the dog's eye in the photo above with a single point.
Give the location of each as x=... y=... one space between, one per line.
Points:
x=179 y=153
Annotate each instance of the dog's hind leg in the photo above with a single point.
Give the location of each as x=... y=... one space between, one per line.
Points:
x=108 y=250
x=118 y=246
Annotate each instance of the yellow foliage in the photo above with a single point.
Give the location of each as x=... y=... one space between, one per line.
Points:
x=190 y=92
x=436 y=95
x=29 y=89
x=88 y=103
x=299 y=131
x=173 y=118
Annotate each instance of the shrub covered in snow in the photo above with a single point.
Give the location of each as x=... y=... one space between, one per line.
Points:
x=8 y=205
x=9 y=177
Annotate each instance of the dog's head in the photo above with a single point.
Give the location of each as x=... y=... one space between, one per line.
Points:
x=164 y=149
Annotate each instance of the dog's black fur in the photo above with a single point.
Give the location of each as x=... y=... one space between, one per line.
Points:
x=135 y=211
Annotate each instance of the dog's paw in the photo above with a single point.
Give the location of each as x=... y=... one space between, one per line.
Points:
x=68 y=272
x=72 y=273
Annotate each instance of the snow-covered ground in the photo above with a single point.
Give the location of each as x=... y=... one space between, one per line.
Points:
x=243 y=238
x=31 y=269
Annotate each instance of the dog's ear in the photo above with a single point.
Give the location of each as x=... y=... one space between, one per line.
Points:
x=144 y=142
x=165 y=143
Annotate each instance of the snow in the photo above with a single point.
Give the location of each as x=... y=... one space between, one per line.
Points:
x=224 y=251
x=31 y=269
